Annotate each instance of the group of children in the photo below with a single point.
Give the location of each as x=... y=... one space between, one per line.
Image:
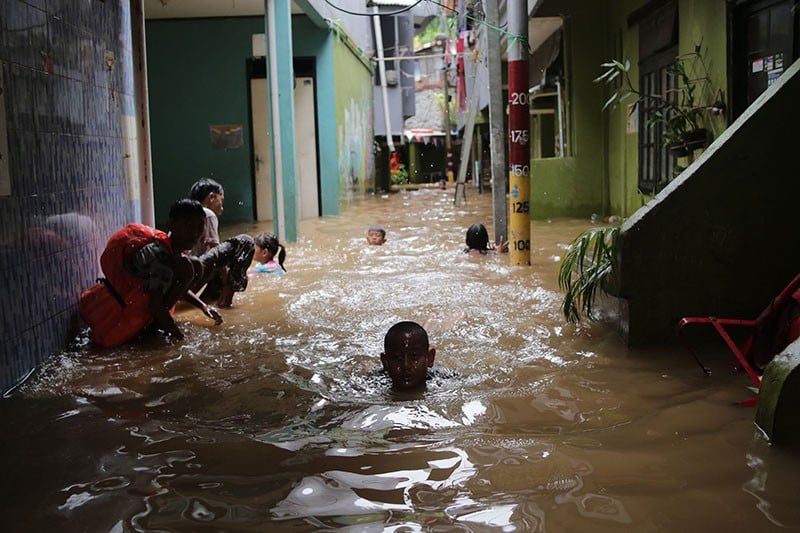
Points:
x=148 y=271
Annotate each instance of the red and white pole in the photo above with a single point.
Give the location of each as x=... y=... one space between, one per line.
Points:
x=519 y=178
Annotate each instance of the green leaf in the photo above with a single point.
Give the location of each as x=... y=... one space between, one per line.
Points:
x=584 y=269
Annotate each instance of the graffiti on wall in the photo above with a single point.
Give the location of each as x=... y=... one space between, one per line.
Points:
x=353 y=140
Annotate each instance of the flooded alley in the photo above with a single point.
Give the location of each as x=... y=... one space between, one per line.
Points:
x=274 y=422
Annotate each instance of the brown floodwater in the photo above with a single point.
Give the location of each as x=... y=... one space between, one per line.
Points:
x=272 y=421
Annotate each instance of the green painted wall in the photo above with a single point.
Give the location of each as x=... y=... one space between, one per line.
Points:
x=704 y=22
x=701 y=22
x=353 y=101
x=622 y=171
x=197 y=78
x=601 y=175
x=575 y=186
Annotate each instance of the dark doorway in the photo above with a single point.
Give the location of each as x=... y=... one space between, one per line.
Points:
x=766 y=40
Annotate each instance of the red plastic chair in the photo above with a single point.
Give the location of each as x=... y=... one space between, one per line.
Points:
x=773 y=330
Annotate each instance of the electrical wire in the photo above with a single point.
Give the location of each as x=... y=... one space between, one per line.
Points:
x=388 y=14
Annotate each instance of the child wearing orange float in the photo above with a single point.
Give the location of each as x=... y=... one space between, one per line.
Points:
x=146 y=274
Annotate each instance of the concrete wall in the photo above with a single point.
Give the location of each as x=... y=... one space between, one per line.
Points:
x=311 y=41
x=68 y=94
x=722 y=238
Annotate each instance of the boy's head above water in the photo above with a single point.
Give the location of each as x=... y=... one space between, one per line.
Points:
x=209 y=193
x=477 y=237
x=186 y=223
x=376 y=235
x=407 y=355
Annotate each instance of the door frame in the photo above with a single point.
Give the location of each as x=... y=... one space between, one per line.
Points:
x=305 y=67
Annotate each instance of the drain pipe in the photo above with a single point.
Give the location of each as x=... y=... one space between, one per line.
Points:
x=376 y=24
x=560 y=105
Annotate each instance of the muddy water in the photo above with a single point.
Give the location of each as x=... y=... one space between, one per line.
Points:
x=272 y=422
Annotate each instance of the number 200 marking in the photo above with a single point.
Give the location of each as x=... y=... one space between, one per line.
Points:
x=518 y=99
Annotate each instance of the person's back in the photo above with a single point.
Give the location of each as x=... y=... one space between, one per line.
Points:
x=267 y=249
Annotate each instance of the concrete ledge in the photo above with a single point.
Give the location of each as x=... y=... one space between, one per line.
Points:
x=779 y=396
x=415 y=186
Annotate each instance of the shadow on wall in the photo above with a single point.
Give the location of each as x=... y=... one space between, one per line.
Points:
x=43 y=284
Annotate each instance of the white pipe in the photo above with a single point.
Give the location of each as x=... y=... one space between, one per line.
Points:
x=560 y=121
x=376 y=24
x=142 y=115
x=275 y=115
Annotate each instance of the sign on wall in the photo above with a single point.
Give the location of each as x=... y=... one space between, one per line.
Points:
x=632 y=120
x=226 y=136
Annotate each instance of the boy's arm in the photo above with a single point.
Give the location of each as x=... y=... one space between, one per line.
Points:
x=155 y=265
x=161 y=315
x=207 y=310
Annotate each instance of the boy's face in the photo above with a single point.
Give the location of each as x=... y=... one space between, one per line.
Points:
x=407 y=360
x=214 y=202
x=185 y=232
x=262 y=255
x=375 y=237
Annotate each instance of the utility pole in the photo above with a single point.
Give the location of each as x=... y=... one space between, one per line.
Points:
x=448 y=143
x=497 y=144
x=519 y=178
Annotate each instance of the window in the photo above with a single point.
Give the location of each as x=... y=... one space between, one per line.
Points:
x=658 y=48
x=656 y=165
x=549 y=97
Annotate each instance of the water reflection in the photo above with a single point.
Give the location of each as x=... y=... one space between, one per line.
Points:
x=273 y=421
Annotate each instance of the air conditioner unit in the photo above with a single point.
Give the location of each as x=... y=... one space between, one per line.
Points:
x=391 y=77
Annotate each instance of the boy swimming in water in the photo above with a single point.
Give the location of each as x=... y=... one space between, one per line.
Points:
x=408 y=358
x=376 y=235
x=478 y=241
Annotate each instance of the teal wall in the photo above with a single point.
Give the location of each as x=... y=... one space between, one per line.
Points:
x=197 y=78
x=311 y=41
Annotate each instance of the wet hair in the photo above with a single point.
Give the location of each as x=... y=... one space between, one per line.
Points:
x=405 y=327
x=268 y=241
x=186 y=208
x=477 y=238
x=203 y=187
x=377 y=228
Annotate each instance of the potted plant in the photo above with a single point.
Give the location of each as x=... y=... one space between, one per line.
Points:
x=681 y=113
x=399 y=175
x=586 y=267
